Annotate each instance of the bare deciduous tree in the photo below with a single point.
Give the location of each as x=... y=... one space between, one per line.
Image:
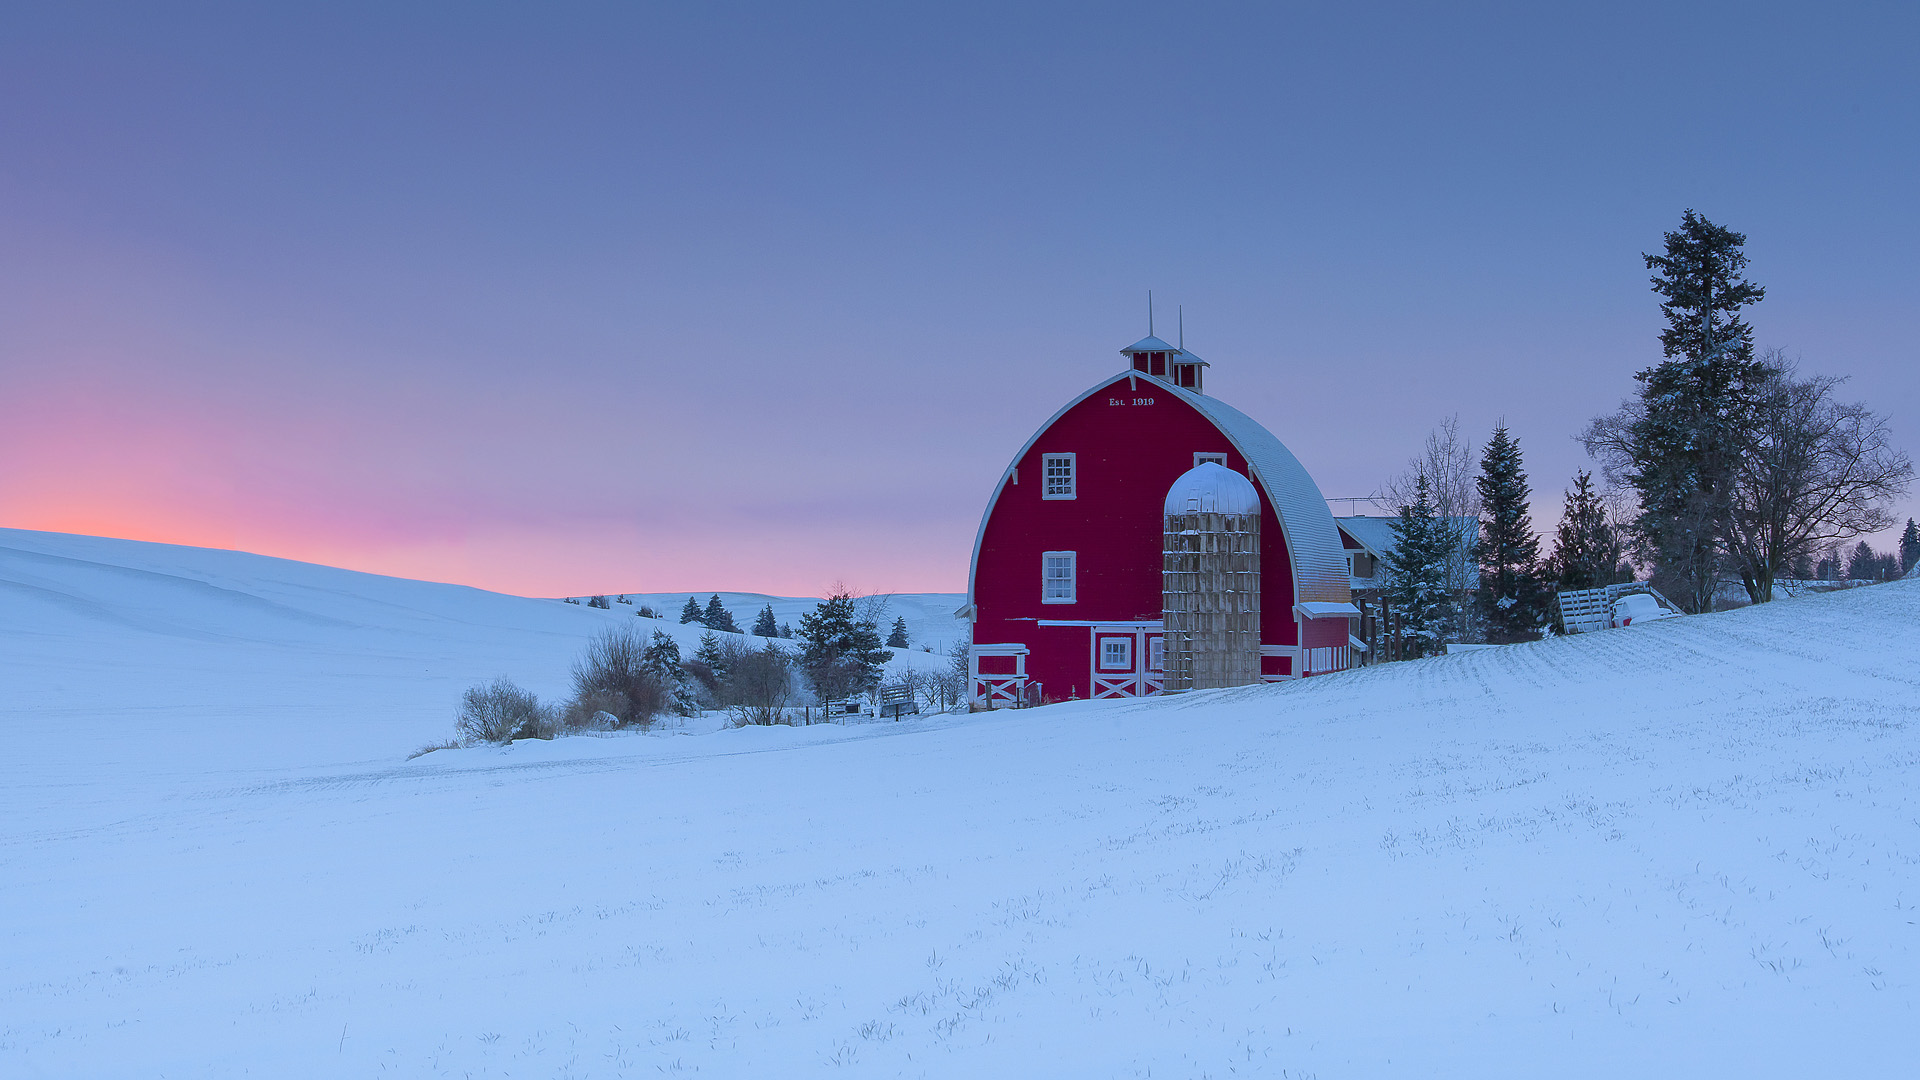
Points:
x=1451 y=467
x=760 y=682
x=1814 y=471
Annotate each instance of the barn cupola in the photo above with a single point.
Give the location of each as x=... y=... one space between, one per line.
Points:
x=1150 y=356
x=1185 y=370
x=1174 y=363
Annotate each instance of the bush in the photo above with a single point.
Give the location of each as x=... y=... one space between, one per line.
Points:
x=599 y=602
x=761 y=683
x=614 y=677
x=598 y=711
x=501 y=712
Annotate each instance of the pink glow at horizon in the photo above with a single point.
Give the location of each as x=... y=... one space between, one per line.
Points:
x=140 y=463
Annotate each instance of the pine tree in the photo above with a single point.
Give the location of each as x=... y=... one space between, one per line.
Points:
x=786 y=630
x=712 y=656
x=1585 y=547
x=843 y=654
x=690 y=613
x=1695 y=406
x=764 y=626
x=662 y=661
x=1862 y=564
x=719 y=618
x=1417 y=576
x=1909 y=548
x=897 y=638
x=1512 y=600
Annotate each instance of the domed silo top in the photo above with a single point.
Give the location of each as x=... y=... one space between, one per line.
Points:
x=1210 y=488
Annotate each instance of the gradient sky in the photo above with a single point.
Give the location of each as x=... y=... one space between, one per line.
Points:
x=555 y=299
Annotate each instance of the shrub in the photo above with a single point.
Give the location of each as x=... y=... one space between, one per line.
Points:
x=500 y=712
x=613 y=677
x=760 y=685
x=599 y=602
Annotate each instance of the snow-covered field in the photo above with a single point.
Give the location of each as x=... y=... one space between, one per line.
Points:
x=1688 y=849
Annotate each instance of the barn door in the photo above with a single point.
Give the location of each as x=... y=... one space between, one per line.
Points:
x=1125 y=661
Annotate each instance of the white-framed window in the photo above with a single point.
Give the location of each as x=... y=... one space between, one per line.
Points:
x=1116 y=654
x=1056 y=577
x=1058 y=476
x=1156 y=654
x=1200 y=457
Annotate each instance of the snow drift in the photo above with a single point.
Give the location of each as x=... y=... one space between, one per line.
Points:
x=1684 y=849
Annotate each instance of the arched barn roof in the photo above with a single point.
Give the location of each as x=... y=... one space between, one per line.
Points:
x=1320 y=572
x=1319 y=559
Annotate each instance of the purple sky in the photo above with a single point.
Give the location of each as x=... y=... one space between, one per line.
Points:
x=569 y=299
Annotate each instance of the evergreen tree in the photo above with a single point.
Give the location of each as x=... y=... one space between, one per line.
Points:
x=1828 y=569
x=719 y=618
x=1695 y=406
x=1585 y=547
x=1909 y=548
x=1862 y=565
x=764 y=626
x=691 y=613
x=843 y=654
x=786 y=630
x=897 y=638
x=711 y=656
x=1417 y=576
x=662 y=659
x=1803 y=569
x=1512 y=599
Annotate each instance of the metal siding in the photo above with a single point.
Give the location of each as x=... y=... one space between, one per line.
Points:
x=1313 y=542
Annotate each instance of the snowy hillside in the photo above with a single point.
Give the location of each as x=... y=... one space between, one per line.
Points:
x=1685 y=849
x=929 y=616
x=218 y=638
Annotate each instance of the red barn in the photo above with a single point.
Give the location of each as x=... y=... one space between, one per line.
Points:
x=1064 y=594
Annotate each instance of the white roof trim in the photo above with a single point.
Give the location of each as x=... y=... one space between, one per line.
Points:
x=1321 y=610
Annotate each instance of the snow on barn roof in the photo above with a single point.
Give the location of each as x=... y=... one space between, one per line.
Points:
x=1319 y=559
x=1214 y=489
x=1148 y=344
